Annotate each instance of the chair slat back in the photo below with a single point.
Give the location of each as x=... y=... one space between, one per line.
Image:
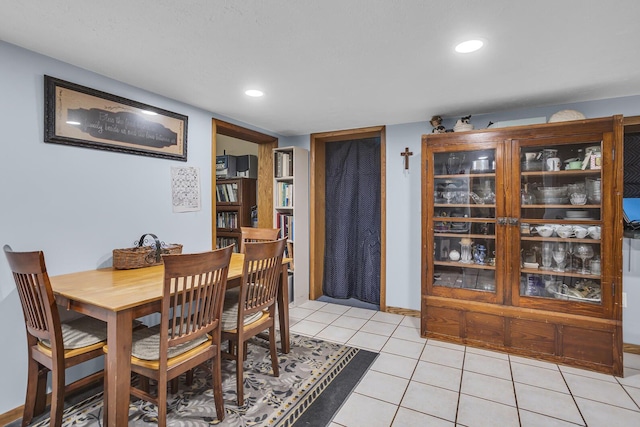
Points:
x=194 y=287
x=36 y=296
x=261 y=275
x=252 y=235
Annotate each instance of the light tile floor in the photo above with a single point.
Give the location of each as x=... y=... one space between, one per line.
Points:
x=420 y=382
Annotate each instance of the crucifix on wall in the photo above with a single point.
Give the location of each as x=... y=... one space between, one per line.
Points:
x=406 y=153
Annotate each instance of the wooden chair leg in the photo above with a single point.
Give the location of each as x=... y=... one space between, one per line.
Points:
x=240 y=373
x=57 y=397
x=143 y=383
x=162 y=402
x=41 y=393
x=216 y=375
x=34 y=402
x=273 y=351
x=175 y=385
x=189 y=378
x=105 y=398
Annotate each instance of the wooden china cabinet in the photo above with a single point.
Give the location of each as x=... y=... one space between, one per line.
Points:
x=522 y=240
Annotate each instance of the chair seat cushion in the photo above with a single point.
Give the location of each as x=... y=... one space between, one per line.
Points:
x=146 y=344
x=230 y=311
x=82 y=332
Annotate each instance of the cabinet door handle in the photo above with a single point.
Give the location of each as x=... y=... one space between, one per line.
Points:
x=502 y=220
x=513 y=221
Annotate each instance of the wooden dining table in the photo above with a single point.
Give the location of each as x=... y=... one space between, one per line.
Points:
x=120 y=296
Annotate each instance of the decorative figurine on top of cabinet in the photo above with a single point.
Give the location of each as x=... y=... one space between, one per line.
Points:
x=436 y=122
x=463 y=124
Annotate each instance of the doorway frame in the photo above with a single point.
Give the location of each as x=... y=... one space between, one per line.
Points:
x=266 y=144
x=631 y=124
x=318 y=178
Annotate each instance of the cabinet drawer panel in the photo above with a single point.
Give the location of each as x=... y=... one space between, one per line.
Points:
x=443 y=321
x=485 y=327
x=534 y=336
x=586 y=344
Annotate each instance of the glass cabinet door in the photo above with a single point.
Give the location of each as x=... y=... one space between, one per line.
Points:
x=560 y=222
x=463 y=222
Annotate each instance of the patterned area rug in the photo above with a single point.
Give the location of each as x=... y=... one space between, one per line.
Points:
x=310 y=367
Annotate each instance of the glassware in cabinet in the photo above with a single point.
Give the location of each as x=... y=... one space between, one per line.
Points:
x=560 y=217
x=464 y=220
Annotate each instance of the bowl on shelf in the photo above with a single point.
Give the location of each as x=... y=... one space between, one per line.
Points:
x=574 y=165
x=580 y=232
x=544 y=230
x=577 y=187
x=578 y=198
x=565 y=231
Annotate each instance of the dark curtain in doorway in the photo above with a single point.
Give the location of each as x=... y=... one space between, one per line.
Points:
x=632 y=165
x=352 y=220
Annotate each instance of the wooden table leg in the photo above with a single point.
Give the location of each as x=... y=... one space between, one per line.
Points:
x=283 y=309
x=118 y=362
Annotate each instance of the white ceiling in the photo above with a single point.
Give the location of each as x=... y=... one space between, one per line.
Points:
x=338 y=64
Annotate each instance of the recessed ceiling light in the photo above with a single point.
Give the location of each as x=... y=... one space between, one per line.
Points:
x=254 y=93
x=469 y=46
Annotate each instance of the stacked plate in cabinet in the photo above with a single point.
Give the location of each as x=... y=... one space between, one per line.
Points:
x=578 y=215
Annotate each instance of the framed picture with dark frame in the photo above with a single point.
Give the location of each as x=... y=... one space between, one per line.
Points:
x=84 y=117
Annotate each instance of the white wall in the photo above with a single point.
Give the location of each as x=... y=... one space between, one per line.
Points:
x=234 y=146
x=78 y=204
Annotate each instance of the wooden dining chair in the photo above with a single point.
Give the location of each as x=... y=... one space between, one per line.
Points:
x=250 y=308
x=252 y=234
x=189 y=331
x=52 y=346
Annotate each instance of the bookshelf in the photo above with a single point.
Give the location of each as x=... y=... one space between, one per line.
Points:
x=291 y=214
x=234 y=199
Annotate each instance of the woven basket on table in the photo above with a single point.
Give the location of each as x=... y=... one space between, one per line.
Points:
x=143 y=256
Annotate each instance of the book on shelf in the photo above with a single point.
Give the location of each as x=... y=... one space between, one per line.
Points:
x=284 y=165
x=285 y=223
x=287 y=165
x=221 y=193
x=234 y=192
x=218 y=193
x=227 y=192
x=284 y=194
x=278 y=165
x=222 y=242
x=227 y=220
